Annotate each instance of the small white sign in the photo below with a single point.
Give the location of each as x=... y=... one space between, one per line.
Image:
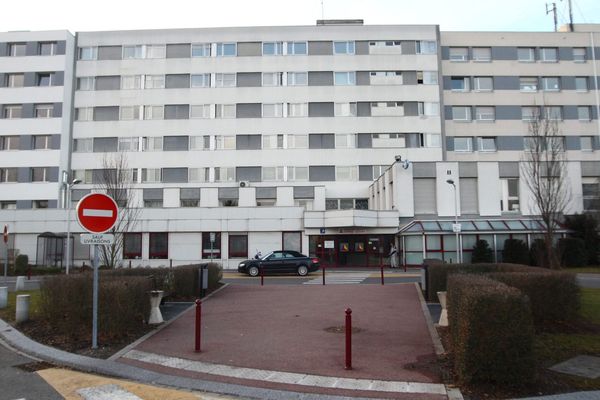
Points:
x=456 y=228
x=329 y=244
x=93 y=238
x=213 y=236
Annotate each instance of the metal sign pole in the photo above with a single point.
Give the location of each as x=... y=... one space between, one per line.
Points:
x=95 y=300
x=5 y=239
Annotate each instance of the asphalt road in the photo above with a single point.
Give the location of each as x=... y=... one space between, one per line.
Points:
x=589 y=280
x=18 y=384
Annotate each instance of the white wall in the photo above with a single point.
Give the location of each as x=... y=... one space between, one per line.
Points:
x=488 y=189
x=445 y=194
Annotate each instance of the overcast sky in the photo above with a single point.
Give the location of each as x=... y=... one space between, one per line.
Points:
x=86 y=15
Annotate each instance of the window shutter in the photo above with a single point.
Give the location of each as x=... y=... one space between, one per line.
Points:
x=468 y=196
x=424 y=192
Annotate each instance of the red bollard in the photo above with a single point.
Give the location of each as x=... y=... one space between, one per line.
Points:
x=382 y=281
x=262 y=276
x=348 y=339
x=323 y=275
x=198 y=325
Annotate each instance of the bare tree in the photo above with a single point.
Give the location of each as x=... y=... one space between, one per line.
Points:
x=115 y=179
x=544 y=166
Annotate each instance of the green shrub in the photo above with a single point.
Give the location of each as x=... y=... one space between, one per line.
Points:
x=515 y=252
x=482 y=253
x=46 y=270
x=585 y=226
x=123 y=304
x=21 y=264
x=572 y=251
x=215 y=274
x=554 y=296
x=491 y=330
x=537 y=253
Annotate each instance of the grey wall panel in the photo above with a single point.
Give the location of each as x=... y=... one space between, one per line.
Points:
x=413 y=140
x=320 y=78
x=411 y=109
x=324 y=48
x=24 y=204
x=249 y=79
x=445 y=53
x=365 y=141
x=105 y=145
x=104 y=175
x=3 y=49
x=248 y=142
x=29 y=79
x=409 y=47
x=449 y=143
x=153 y=194
x=304 y=192
x=57 y=110
x=248 y=110
x=570 y=112
x=189 y=194
x=266 y=192
x=176 y=81
x=596 y=143
x=510 y=143
x=572 y=143
x=321 y=141
x=363 y=78
x=61 y=47
x=31 y=49
x=176 y=143
x=565 y=53
x=177 y=111
x=321 y=173
x=508 y=169
x=53 y=174
x=55 y=142
x=108 y=82
x=249 y=49
x=506 y=83
x=25 y=142
x=588 y=168
x=504 y=53
x=110 y=52
x=567 y=83
x=424 y=170
x=409 y=77
x=179 y=50
x=365 y=172
x=2 y=79
x=448 y=113
x=363 y=109
x=77 y=194
x=361 y=47
x=252 y=174
x=468 y=196
x=24 y=175
x=447 y=82
x=508 y=112
x=28 y=110
x=109 y=113
x=58 y=79
x=320 y=109
x=52 y=203
x=467 y=169
x=174 y=175
x=229 y=193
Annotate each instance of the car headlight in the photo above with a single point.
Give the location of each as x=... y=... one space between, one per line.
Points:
x=242 y=264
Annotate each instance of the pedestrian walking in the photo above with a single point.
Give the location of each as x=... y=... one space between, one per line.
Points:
x=393 y=256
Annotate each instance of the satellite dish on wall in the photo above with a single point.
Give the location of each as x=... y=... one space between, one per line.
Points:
x=405 y=164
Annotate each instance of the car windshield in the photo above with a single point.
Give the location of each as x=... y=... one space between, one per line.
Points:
x=266 y=255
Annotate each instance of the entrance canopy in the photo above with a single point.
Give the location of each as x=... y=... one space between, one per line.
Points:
x=478 y=225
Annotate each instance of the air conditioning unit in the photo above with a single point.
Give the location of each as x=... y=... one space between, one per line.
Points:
x=244 y=184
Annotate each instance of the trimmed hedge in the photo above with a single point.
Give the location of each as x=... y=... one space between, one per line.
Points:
x=437 y=274
x=554 y=296
x=515 y=252
x=491 y=329
x=573 y=252
x=123 y=304
x=482 y=252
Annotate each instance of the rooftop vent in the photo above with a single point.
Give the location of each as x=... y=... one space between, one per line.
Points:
x=340 y=22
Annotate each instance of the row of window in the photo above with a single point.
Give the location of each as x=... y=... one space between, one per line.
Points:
x=228 y=49
x=464 y=144
x=524 y=54
x=19 y=49
x=12 y=204
x=38 y=142
x=253 y=110
x=528 y=113
x=35 y=174
x=13 y=111
x=16 y=80
x=254 y=142
x=526 y=83
x=253 y=79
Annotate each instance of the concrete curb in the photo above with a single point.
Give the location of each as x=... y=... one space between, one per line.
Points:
x=437 y=342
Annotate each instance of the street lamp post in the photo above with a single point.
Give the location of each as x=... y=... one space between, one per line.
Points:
x=456 y=229
x=69 y=187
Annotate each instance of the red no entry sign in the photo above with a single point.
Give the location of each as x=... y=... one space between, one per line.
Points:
x=97 y=212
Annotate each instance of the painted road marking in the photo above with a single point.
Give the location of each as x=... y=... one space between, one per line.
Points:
x=286 y=377
x=106 y=392
x=90 y=212
x=340 y=278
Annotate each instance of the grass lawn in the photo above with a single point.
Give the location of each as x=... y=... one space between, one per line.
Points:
x=588 y=270
x=8 y=313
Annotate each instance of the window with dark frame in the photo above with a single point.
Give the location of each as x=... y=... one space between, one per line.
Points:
x=238 y=246
x=159 y=245
x=132 y=246
x=211 y=250
x=292 y=241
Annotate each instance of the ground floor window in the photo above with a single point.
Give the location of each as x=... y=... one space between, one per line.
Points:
x=132 y=245
x=292 y=241
x=159 y=245
x=211 y=245
x=351 y=250
x=238 y=246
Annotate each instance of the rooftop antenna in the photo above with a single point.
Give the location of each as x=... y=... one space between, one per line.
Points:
x=322 y=10
x=552 y=10
x=571 y=27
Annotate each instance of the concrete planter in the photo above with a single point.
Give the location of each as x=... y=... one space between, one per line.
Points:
x=155 y=314
x=444 y=316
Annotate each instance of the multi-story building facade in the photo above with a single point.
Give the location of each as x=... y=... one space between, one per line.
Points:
x=282 y=137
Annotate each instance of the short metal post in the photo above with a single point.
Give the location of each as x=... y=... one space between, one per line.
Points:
x=323 y=275
x=198 y=325
x=262 y=276
x=129 y=264
x=95 y=299
x=348 y=339
x=170 y=263
x=382 y=280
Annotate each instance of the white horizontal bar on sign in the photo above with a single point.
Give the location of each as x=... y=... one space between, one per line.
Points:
x=90 y=212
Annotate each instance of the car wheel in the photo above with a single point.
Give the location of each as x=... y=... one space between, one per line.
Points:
x=253 y=271
x=302 y=270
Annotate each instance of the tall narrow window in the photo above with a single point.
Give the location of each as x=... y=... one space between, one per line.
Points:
x=510 y=194
x=238 y=246
x=211 y=245
x=132 y=245
x=159 y=245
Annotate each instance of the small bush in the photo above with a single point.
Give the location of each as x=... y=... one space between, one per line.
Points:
x=491 y=330
x=554 y=296
x=515 y=252
x=21 y=264
x=585 y=226
x=215 y=274
x=572 y=251
x=482 y=253
x=537 y=253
